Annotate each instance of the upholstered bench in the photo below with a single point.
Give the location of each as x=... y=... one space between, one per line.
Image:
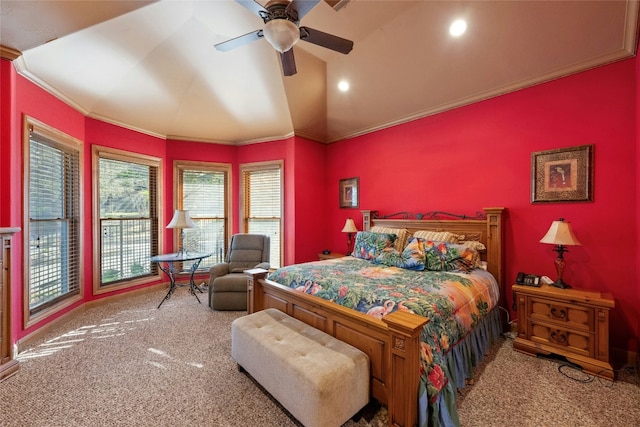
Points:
x=320 y=380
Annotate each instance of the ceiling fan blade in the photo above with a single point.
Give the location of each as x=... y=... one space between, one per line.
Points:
x=288 y=63
x=255 y=7
x=302 y=6
x=326 y=40
x=238 y=41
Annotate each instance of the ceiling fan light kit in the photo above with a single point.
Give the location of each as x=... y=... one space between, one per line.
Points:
x=282 y=30
x=281 y=34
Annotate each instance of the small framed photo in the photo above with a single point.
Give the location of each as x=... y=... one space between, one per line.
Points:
x=562 y=175
x=349 y=193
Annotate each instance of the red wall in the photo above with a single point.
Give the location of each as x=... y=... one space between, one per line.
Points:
x=637 y=121
x=480 y=156
x=310 y=190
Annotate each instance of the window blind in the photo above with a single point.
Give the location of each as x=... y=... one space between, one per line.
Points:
x=262 y=206
x=128 y=219
x=204 y=195
x=54 y=222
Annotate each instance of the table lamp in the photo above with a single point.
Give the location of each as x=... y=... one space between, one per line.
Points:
x=349 y=228
x=181 y=220
x=560 y=234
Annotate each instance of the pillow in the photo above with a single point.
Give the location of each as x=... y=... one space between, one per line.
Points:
x=369 y=245
x=438 y=236
x=389 y=256
x=478 y=246
x=402 y=233
x=411 y=258
x=442 y=256
x=414 y=255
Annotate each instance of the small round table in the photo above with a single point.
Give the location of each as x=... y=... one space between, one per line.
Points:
x=169 y=269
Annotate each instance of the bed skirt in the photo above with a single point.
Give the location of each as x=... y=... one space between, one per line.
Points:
x=459 y=366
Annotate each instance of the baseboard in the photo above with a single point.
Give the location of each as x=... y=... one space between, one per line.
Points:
x=34 y=336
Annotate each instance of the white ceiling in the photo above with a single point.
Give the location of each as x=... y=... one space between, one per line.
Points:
x=151 y=66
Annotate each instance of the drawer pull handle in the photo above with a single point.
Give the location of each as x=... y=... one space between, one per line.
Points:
x=558 y=313
x=558 y=337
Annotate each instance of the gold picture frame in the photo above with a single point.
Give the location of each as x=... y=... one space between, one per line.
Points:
x=349 y=193
x=562 y=175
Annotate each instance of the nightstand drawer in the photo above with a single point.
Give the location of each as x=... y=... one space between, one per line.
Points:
x=572 y=316
x=577 y=342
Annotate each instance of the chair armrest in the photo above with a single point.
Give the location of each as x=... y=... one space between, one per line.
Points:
x=218 y=270
x=264 y=265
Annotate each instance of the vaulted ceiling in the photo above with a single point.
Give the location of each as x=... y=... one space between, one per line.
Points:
x=152 y=66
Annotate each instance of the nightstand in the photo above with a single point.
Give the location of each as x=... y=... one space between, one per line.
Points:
x=568 y=322
x=332 y=255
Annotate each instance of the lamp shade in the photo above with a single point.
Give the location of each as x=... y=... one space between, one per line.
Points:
x=560 y=233
x=282 y=34
x=349 y=226
x=181 y=219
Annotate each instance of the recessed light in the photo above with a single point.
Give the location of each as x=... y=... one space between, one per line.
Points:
x=458 y=27
x=343 y=85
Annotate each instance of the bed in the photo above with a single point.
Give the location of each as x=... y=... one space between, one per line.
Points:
x=417 y=362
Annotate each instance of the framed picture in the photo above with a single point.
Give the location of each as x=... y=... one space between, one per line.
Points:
x=349 y=193
x=562 y=175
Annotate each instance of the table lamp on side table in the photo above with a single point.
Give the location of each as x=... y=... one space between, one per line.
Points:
x=181 y=220
x=349 y=228
x=560 y=234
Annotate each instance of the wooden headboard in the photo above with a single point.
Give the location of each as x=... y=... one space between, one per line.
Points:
x=485 y=227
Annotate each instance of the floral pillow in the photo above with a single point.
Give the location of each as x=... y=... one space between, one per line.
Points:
x=421 y=254
x=414 y=255
x=390 y=257
x=442 y=256
x=369 y=245
x=401 y=233
x=411 y=258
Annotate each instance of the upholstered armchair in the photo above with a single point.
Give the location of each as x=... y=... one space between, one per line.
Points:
x=227 y=282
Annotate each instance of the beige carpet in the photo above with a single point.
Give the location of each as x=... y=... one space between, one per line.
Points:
x=127 y=363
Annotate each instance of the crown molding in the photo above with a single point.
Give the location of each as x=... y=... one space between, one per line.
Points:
x=9 y=53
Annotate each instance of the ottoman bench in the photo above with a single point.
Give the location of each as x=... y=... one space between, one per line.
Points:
x=320 y=380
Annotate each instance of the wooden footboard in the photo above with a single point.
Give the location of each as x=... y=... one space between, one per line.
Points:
x=392 y=344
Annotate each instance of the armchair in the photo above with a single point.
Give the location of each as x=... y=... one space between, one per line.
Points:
x=227 y=282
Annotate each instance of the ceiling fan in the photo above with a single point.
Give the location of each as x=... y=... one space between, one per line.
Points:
x=282 y=30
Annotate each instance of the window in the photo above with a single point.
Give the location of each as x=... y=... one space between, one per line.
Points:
x=262 y=204
x=52 y=201
x=203 y=190
x=127 y=231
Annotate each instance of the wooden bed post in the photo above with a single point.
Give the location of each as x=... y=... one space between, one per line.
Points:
x=494 y=243
x=254 y=292
x=403 y=379
x=495 y=260
x=366 y=220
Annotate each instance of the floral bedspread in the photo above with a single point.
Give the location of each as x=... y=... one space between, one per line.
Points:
x=454 y=302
